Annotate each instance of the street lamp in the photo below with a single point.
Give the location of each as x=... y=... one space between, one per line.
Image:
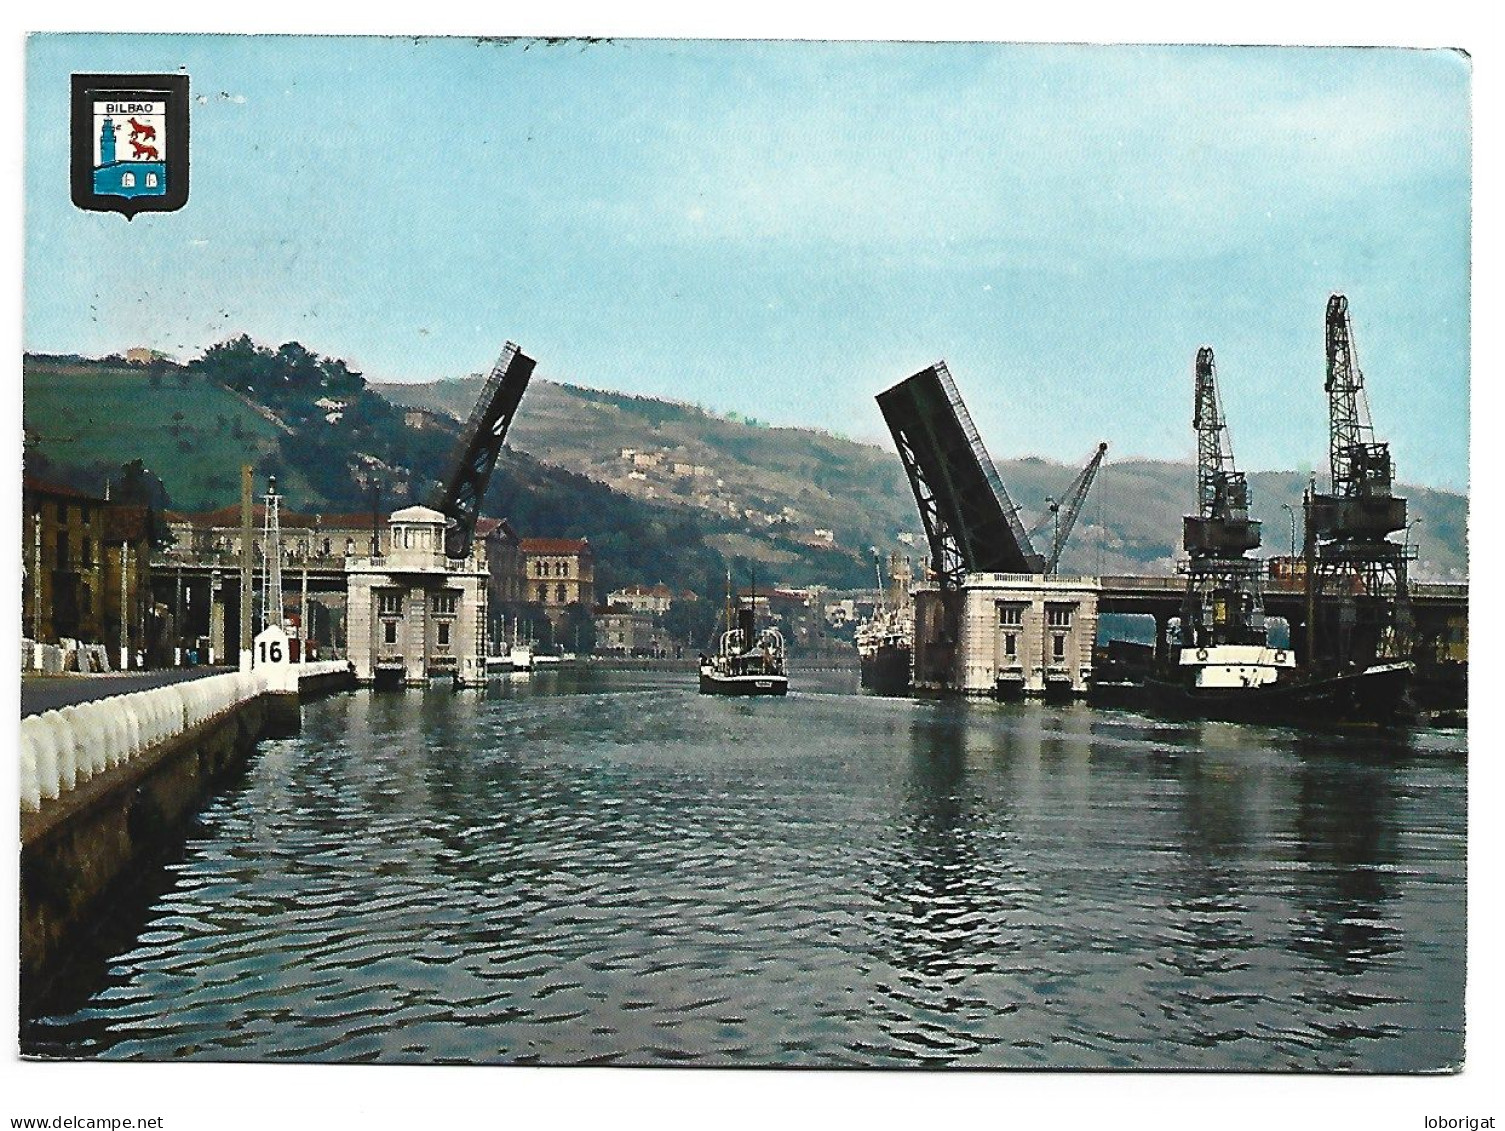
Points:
x=1291 y=511
x=1406 y=546
x=1055 y=514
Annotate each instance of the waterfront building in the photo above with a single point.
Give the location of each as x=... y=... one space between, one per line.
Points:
x=624 y=632
x=86 y=568
x=556 y=573
x=414 y=613
x=1007 y=635
x=654 y=599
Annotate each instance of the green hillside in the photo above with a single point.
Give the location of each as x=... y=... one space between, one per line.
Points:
x=741 y=491
x=1131 y=522
x=86 y=419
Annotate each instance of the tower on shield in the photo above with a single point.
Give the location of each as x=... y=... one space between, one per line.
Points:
x=130 y=143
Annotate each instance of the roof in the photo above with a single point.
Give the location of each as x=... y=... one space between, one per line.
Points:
x=37 y=486
x=229 y=518
x=555 y=546
x=486 y=527
x=418 y=514
x=640 y=590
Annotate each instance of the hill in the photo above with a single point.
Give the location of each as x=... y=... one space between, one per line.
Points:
x=804 y=480
x=332 y=441
x=664 y=491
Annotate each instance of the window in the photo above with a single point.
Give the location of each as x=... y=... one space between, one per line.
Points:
x=1058 y=647
x=1010 y=616
x=389 y=631
x=151 y=180
x=127 y=180
x=559 y=594
x=389 y=604
x=62 y=550
x=86 y=553
x=1058 y=616
x=543 y=594
x=85 y=515
x=564 y=569
x=1010 y=645
x=444 y=634
x=444 y=603
x=326 y=547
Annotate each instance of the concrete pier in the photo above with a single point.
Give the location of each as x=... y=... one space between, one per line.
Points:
x=107 y=784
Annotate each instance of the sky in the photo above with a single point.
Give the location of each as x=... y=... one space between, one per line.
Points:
x=785 y=229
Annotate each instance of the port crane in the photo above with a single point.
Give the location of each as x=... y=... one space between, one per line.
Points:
x=1357 y=572
x=1071 y=502
x=1223 y=602
x=476 y=450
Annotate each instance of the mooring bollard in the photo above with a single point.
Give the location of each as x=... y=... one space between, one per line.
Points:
x=48 y=774
x=33 y=738
x=67 y=749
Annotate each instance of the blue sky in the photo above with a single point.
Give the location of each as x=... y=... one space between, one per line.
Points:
x=785 y=229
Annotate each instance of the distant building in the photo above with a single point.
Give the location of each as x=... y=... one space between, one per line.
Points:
x=1025 y=636
x=654 y=599
x=415 y=613
x=556 y=573
x=420 y=418
x=621 y=632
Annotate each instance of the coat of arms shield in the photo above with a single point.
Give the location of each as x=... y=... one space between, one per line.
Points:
x=130 y=143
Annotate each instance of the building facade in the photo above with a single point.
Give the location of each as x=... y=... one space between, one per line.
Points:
x=1007 y=635
x=86 y=570
x=654 y=599
x=414 y=613
x=556 y=573
x=622 y=632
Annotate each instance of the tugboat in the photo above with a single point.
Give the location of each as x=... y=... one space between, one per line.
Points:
x=1225 y=667
x=885 y=644
x=746 y=661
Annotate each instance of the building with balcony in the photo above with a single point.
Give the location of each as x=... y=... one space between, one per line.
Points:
x=412 y=612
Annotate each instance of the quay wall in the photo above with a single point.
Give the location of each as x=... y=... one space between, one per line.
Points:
x=107 y=786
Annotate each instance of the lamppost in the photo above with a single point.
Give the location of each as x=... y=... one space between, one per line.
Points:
x=1406 y=545
x=1292 y=513
x=1055 y=514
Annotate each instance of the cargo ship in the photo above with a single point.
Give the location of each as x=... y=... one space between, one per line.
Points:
x=885 y=644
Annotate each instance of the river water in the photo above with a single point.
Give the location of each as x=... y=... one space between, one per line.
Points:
x=605 y=867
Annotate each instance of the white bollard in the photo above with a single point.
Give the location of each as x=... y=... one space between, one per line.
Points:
x=88 y=738
x=128 y=710
x=48 y=772
x=100 y=736
x=120 y=735
x=67 y=750
x=35 y=746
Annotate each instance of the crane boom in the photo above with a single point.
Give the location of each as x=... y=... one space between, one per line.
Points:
x=477 y=448
x=1074 y=496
